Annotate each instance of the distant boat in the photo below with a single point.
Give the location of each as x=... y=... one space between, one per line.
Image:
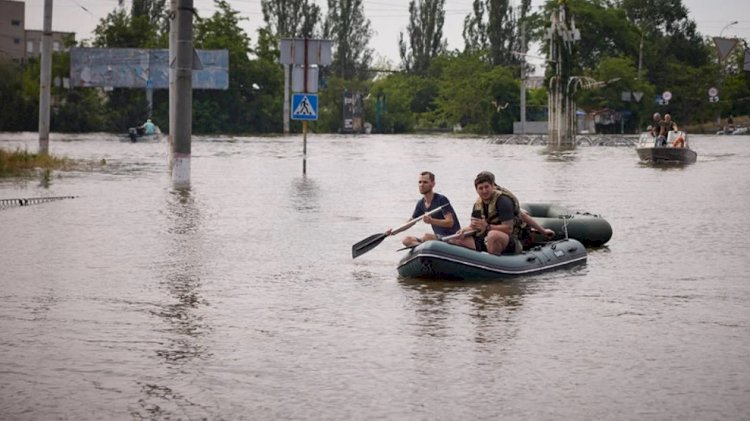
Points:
x=648 y=151
x=733 y=130
x=136 y=134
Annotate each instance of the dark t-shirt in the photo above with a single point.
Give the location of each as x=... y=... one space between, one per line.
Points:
x=503 y=209
x=437 y=201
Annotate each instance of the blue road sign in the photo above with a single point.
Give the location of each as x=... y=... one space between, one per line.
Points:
x=304 y=107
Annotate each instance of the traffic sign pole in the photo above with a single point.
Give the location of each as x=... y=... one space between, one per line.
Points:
x=304 y=123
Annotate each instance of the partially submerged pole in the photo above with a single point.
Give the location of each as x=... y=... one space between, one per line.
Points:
x=562 y=33
x=181 y=113
x=523 y=78
x=45 y=80
x=304 y=122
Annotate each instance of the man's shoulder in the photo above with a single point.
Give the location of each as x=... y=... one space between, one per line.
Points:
x=441 y=199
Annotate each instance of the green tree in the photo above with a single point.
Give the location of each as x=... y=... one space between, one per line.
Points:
x=475 y=94
x=350 y=31
x=401 y=93
x=291 y=18
x=500 y=34
x=253 y=84
x=17 y=111
x=621 y=75
x=425 y=31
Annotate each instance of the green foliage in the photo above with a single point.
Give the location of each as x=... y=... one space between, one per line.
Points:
x=622 y=76
x=120 y=30
x=406 y=97
x=17 y=109
x=253 y=101
x=476 y=95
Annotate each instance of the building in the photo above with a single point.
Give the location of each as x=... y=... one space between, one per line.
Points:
x=12 y=37
x=18 y=43
x=34 y=42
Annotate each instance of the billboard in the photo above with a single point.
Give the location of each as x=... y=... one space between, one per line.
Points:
x=143 y=68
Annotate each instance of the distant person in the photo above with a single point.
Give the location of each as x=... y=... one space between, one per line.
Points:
x=730 y=124
x=667 y=125
x=148 y=127
x=656 y=130
x=443 y=223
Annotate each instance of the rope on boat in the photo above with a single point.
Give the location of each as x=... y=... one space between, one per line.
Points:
x=565 y=219
x=7 y=203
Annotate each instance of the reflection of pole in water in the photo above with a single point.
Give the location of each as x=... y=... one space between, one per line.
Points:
x=182 y=271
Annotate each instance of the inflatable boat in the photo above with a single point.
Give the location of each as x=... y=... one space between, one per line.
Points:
x=440 y=260
x=590 y=229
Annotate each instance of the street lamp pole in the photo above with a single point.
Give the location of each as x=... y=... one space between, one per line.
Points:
x=721 y=70
x=727 y=26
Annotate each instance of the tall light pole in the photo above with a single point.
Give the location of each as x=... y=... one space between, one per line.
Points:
x=721 y=45
x=727 y=26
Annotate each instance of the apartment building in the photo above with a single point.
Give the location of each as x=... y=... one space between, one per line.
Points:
x=18 y=43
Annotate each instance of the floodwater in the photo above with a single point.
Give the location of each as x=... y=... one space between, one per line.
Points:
x=239 y=299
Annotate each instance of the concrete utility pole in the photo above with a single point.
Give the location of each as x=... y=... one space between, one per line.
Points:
x=286 y=99
x=45 y=80
x=183 y=95
x=523 y=78
x=562 y=33
x=172 y=73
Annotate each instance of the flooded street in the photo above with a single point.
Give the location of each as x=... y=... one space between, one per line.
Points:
x=239 y=299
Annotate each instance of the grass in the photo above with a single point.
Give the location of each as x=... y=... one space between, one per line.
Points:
x=22 y=163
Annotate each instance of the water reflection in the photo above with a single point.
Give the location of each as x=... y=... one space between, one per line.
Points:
x=182 y=279
x=491 y=307
x=560 y=153
x=181 y=271
x=304 y=194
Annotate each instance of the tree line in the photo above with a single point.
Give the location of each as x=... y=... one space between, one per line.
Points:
x=638 y=45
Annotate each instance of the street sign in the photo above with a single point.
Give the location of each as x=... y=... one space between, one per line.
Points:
x=713 y=91
x=304 y=106
x=293 y=51
x=666 y=95
x=724 y=46
x=298 y=79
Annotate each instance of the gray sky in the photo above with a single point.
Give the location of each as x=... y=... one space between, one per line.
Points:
x=388 y=18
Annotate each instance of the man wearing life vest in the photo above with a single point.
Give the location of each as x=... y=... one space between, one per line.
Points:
x=528 y=223
x=496 y=219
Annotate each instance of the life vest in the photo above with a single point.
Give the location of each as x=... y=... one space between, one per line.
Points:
x=518 y=225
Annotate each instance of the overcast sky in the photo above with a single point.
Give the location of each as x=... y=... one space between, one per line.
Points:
x=388 y=18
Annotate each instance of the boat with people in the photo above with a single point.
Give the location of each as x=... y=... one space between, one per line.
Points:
x=675 y=150
x=733 y=130
x=136 y=136
x=437 y=259
x=590 y=229
x=147 y=132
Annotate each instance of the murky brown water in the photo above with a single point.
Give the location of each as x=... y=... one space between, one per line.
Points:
x=240 y=300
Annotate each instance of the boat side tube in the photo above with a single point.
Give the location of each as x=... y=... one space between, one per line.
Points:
x=590 y=229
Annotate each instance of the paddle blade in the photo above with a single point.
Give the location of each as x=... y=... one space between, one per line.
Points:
x=367 y=244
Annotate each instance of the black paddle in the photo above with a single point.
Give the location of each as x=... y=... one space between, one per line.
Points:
x=372 y=241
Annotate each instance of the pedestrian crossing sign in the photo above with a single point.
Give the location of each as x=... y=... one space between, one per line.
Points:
x=304 y=106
